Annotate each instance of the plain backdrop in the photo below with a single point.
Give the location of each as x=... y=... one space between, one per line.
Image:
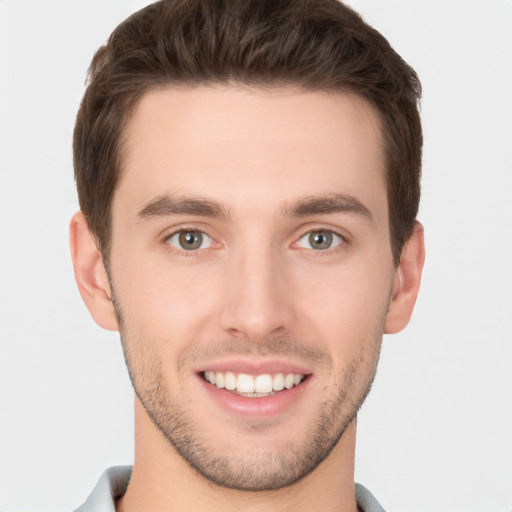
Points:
x=436 y=432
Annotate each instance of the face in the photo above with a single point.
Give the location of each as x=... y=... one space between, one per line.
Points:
x=252 y=271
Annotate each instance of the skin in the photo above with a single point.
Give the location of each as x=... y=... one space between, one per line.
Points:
x=272 y=167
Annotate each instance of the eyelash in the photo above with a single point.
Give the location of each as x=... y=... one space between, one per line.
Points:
x=184 y=229
x=319 y=229
x=188 y=253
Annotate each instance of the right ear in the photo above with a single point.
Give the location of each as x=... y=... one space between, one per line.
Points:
x=90 y=274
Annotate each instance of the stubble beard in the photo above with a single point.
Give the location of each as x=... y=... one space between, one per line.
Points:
x=264 y=471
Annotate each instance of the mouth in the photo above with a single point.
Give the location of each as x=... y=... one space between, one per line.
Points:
x=254 y=386
x=255 y=391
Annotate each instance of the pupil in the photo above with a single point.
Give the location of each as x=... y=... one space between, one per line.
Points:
x=190 y=240
x=320 y=239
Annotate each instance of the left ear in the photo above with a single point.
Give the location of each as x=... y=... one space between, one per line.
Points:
x=407 y=282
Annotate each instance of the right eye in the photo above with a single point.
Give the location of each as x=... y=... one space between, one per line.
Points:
x=189 y=240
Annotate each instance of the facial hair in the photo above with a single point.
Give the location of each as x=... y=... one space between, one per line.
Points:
x=262 y=470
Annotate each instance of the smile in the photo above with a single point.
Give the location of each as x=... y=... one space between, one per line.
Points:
x=253 y=386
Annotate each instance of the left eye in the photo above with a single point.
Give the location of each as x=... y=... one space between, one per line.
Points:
x=190 y=240
x=320 y=240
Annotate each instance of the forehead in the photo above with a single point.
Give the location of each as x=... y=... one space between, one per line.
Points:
x=238 y=144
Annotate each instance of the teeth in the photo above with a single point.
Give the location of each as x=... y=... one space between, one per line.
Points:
x=278 y=382
x=288 y=381
x=254 y=386
x=263 y=384
x=230 y=381
x=244 y=383
x=219 y=380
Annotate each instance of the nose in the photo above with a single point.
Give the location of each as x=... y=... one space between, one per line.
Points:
x=258 y=297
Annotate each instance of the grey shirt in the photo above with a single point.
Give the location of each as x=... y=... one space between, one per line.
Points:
x=112 y=485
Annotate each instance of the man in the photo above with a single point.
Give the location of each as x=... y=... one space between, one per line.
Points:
x=248 y=176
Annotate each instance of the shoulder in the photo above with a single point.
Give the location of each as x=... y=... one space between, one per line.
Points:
x=110 y=487
x=366 y=502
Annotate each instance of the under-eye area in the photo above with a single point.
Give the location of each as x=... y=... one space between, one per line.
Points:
x=254 y=386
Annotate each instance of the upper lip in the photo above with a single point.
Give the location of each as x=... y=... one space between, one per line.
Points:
x=253 y=367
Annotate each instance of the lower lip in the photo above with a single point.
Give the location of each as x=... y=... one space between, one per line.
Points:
x=256 y=408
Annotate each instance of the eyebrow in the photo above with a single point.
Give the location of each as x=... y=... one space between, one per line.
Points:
x=182 y=205
x=327 y=204
x=163 y=206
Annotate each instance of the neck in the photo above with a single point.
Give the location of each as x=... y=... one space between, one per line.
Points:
x=162 y=481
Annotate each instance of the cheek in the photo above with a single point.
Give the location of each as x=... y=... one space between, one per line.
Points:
x=346 y=307
x=161 y=301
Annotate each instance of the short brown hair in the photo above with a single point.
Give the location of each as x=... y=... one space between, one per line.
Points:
x=312 y=44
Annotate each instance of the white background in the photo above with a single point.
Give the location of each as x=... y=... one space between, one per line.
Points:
x=436 y=433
